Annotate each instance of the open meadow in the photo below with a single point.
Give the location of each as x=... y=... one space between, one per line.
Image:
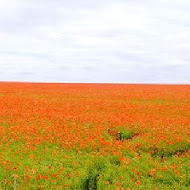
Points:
x=94 y=136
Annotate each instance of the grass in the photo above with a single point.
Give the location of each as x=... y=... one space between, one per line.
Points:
x=42 y=169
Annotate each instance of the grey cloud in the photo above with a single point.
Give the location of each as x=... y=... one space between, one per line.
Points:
x=95 y=41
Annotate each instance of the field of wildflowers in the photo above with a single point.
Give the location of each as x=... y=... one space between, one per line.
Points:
x=94 y=136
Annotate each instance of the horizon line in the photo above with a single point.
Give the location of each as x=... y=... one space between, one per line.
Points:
x=113 y=83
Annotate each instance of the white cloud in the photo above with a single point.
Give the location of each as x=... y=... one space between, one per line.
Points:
x=95 y=41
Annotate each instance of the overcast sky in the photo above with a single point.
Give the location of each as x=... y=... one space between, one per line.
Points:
x=128 y=41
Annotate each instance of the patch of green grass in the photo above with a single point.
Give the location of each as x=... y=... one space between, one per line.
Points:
x=49 y=166
x=123 y=133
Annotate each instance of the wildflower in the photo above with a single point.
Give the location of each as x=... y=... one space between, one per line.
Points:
x=118 y=184
x=152 y=172
x=55 y=175
x=14 y=168
x=121 y=177
x=39 y=177
x=54 y=153
x=45 y=177
x=137 y=183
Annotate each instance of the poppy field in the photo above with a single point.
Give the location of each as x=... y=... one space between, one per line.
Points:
x=94 y=136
